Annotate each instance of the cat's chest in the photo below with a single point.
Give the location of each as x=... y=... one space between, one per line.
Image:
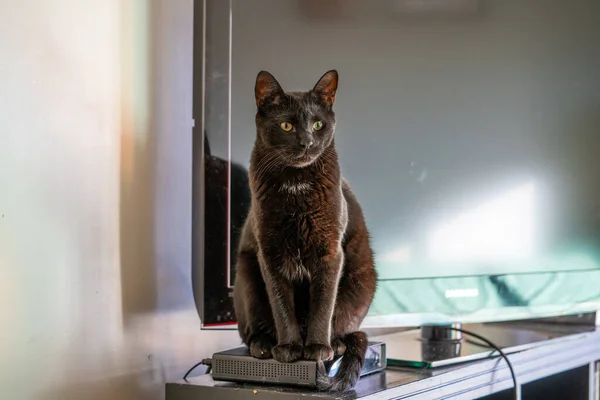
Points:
x=304 y=221
x=304 y=205
x=296 y=188
x=296 y=196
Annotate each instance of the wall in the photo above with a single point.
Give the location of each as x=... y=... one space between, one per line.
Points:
x=95 y=200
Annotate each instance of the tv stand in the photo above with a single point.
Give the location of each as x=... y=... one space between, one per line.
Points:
x=561 y=364
x=438 y=346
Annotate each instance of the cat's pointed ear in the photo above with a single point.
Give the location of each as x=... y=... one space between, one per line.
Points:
x=267 y=88
x=327 y=86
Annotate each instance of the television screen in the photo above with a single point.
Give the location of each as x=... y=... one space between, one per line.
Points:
x=468 y=130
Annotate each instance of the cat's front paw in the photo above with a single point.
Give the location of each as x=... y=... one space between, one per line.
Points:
x=287 y=352
x=262 y=347
x=318 y=352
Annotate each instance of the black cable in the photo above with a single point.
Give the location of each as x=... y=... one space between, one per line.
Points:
x=478 y=344
x=206 y=361
x=493 y=346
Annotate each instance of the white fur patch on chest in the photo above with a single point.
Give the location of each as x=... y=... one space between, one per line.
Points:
x=295 y=187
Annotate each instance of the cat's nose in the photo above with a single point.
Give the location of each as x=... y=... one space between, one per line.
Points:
x=306 y=142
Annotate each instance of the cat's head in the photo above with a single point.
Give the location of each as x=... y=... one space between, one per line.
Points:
x=295 y=126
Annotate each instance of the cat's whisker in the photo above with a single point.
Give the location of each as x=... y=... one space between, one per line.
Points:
x=268 y=163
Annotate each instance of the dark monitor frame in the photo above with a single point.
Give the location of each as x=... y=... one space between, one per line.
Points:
x=213 y=247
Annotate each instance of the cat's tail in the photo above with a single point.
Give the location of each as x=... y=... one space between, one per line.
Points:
x=350 y=368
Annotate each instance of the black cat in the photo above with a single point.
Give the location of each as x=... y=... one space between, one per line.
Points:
x=305 y=274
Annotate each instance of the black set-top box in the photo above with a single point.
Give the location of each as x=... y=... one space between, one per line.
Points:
x=237 y=365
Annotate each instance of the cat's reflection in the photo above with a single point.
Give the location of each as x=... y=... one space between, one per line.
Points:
x=218 y=183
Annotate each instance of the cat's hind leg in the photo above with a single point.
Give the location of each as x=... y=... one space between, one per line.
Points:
x=355 y=290
x=338 y=345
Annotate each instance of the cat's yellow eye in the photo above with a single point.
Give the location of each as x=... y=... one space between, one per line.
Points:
x=286 y=126
x=317 y=125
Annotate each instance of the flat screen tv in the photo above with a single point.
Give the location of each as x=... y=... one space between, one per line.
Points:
x=469 y=131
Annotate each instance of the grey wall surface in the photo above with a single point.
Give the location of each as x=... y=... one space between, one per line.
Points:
x=95 y=200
